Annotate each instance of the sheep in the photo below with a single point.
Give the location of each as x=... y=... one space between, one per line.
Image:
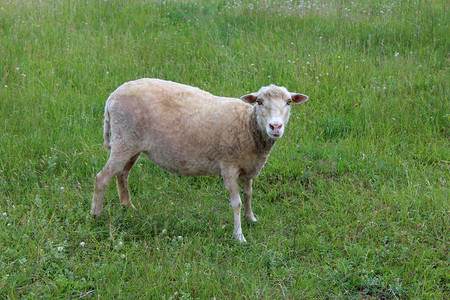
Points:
x=190 y=132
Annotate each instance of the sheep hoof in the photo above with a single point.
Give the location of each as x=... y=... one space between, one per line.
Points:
x=128 y=205
x=92 y=212
x=240 y=238
x=251 y=219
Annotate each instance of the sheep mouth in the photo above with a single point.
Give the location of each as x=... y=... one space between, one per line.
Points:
x=275 y=136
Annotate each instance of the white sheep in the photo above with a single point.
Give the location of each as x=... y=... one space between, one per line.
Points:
x=190 y=132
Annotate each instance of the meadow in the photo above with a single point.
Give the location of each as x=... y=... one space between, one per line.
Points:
x=353 y=202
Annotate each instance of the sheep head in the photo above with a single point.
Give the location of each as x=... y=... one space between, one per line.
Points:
x=273 y=106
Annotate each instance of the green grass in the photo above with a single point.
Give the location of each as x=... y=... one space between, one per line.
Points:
x=352 y=204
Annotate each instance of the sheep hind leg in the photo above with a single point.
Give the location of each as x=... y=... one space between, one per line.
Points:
x=122 y=183
x=113 y=166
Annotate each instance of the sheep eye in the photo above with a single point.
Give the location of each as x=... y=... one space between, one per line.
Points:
x=288 y=102
x=259 y=102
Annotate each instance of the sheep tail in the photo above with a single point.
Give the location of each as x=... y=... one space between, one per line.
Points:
x=107 y=130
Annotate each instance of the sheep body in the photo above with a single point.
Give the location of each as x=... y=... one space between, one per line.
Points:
x=182 y=129
x=190 y=132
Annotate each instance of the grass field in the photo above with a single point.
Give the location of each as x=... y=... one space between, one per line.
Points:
x=352 y=204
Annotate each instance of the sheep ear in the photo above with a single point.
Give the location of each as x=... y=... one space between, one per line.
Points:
x=298 y=98
x=249 y=98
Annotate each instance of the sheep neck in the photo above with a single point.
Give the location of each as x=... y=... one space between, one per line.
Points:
x=263 y=143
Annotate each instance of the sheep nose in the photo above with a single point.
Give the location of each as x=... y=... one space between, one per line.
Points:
x=275 y=126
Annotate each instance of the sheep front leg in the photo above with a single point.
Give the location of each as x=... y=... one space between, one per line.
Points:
x=230 y=178
x=248 y=213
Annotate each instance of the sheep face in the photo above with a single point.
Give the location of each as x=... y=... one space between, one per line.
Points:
x=273 y=106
